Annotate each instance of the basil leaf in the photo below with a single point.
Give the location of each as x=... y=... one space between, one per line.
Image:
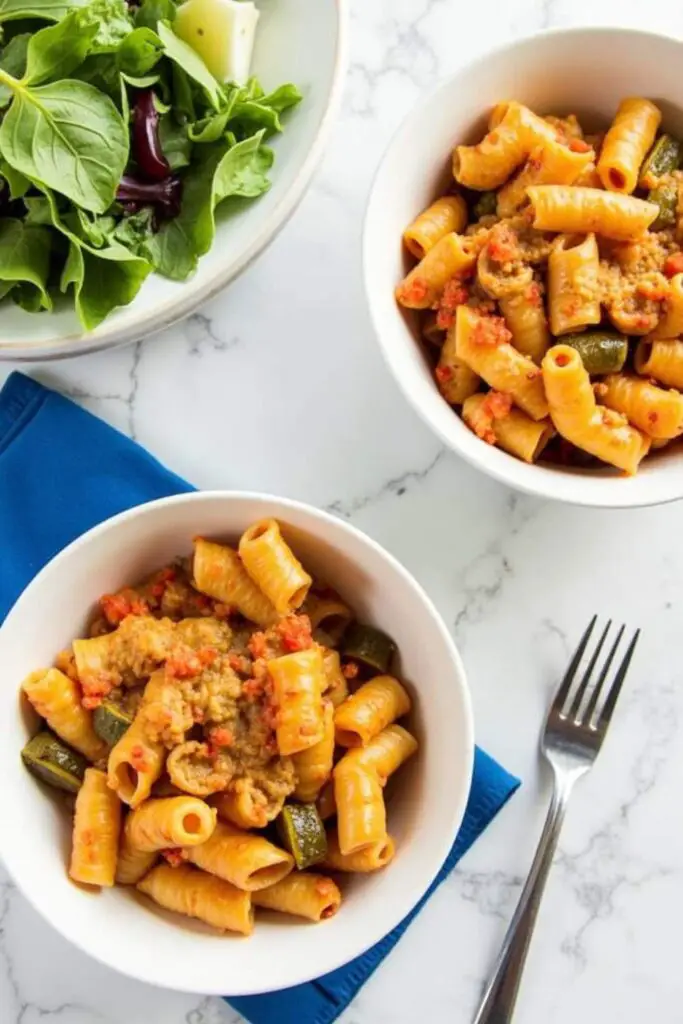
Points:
x=13 y=61
x=68 y=136
x=102 y=280
x=190 y=62
x=48 y=10
x=18 y=184
x=56 y=51
x=175 y=144
x=151 y=12
x=241 y=171
x=139 y=52
x=25 y=256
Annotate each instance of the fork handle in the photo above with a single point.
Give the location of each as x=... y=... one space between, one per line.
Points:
x=498 y=1003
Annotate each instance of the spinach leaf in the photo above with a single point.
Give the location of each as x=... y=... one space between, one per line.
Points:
x=139 y=52
x=56 y=51
x=175 y=144
x=190 y=62
x=13 y=61
x=68 y=136
x=18 y=184
x=25 y=256
x=102 y=280
x=241 y=171
x=100 y=71
x=48 y=10
x=151 y=12
x=183 y=100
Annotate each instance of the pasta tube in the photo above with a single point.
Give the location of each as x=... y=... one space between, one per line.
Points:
x=371 y=858
x=56 y=698
x=245 y=805
x=302 y=894
x=361 y=814
x=326 y=804
x=573 y=294
x=510 y=140
x=658 y=413
x=97 y=822
x=671 y=324
x=273 y=566
x=298 y=684
x=573 y=409
x=525 y=318
x=248 y=861
x=132 y=864
x=453 y=256
x=196 y=894
x=330 y=614
x=135 y=762
x=627 y=143
x=313 y=766
x=446 y=214
x=219 y=573
x=550 y=164
x=170 y=821
x=515 y=432
x=578 y=210
x=483 y=343
x=385 y=753
x=374 y=706
x=455 y=380
x=336 y=686
x=661 y=359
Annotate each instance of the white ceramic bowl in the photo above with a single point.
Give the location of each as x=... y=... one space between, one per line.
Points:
x=584 y=70
x=297 y=41
x=122 y=929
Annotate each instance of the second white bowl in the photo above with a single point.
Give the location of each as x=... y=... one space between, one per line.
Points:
x=586 y=71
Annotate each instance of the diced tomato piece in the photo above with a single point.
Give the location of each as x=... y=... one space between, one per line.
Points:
x=221 y=737
x=497 y=405
x=138 y=758
x=579 y=146
x=257 y=645
x=175 y=856
x=503 y=246
x=183 y=664
x=674 y=264
x=295 y=632
x=443 y=374
x=414 y=291
x=350 y=670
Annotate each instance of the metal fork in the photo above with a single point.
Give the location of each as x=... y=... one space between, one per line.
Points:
x=573 y=735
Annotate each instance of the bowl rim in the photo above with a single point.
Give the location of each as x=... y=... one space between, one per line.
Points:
x=507 y=470
x=176 y=309
x=435 y=852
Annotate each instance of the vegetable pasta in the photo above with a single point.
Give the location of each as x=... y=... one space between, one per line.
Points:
x=206 y=706
x=571 y=249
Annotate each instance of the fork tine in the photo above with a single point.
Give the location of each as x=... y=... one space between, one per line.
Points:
x=597 y=689
x=613 y=695
x=566 y=684
x=573 y=712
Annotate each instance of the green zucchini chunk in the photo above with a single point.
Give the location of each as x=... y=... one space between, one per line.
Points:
x=368 y=645
x=110 y=722
x=662 y=159
x=302 y=833
x=666 y=198
x=601 y=351
x=52 y=761
x=485 y=205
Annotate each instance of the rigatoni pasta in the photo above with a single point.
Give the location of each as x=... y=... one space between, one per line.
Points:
x=572 y=237
x=208 y=727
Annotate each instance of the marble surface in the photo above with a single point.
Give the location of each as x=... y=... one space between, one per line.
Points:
x=514 y=578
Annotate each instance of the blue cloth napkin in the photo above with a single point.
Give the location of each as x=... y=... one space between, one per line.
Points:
x=63 y=471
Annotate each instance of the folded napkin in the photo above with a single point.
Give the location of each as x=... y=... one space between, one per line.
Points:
x=63 y=471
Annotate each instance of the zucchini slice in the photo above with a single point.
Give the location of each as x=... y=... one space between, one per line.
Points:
x=302 y=832
x=110 y=722
x=53 y=762
x=368 y=645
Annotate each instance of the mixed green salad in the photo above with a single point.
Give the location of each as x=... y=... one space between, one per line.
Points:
x=117 y=142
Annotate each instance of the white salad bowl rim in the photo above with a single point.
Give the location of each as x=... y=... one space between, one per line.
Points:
x=338 y=947
x=595 y=489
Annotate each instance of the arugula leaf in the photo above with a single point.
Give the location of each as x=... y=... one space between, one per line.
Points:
x=190 y=62
x=68 y=136
x=102 y=280
x=175 y=143
x=48 y=10
x=13 y=61
x=25 y=256
x=139 y=52
x=241 y=171
x=151 y=12
x=18 y=184
x=56 y=51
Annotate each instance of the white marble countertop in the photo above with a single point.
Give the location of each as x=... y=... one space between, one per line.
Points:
x=514 y=578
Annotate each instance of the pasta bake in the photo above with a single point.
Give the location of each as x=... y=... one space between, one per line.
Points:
x=548 y=284
x=227 y=729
